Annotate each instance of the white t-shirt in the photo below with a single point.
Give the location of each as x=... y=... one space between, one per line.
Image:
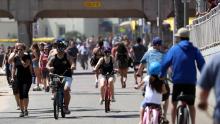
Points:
x=151 y=96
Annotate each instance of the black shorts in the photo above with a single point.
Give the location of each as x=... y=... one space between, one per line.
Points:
x=186 y=89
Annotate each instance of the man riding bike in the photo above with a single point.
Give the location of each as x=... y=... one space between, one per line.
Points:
x=62 y=64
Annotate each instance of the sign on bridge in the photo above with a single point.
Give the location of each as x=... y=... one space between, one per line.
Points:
x=92 y=4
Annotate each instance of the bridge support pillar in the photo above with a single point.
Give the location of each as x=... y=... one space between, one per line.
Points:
x=25 y=32
x=155 y=31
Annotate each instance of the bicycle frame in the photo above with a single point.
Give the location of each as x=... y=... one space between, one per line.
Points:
x=107 y=93
x=58 y=88
x=152 y=115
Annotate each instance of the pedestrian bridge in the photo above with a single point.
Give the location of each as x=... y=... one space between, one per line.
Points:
x=25 y=12
x=205 y=33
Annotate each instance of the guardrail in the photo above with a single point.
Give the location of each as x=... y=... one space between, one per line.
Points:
x=205 y=30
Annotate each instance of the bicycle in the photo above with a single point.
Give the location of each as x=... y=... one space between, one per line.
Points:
x=152 y=114
x=58 y=83
x=182 y=110
x=107 y=92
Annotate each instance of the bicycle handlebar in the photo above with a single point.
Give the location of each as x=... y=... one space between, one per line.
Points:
x=56 y=75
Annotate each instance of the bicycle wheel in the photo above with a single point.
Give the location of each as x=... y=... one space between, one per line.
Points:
x=182 y=115
x=62 y=106
x=186 y=115
x=107 y=100
x=56 y=106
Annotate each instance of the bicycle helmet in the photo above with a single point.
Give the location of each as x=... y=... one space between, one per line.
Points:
x=61 y=46
x=154 y=68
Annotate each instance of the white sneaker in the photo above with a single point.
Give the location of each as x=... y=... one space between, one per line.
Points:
x=52 y=97
x=101 y=101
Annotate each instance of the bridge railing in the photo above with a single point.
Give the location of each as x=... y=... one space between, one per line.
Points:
x=205 y=30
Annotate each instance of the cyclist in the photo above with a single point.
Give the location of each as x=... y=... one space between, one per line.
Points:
x=98 y=52
x=154 y=88
x=61 y=64
x=182 y=58
x=106 y=65
x=137 y=52
x=155 y=55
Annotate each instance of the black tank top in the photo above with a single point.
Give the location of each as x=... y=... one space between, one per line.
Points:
x=62 y=66
x=23 y=74
x=107 y=68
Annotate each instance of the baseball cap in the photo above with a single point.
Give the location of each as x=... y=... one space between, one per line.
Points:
x=182 y=32
x=156 y=41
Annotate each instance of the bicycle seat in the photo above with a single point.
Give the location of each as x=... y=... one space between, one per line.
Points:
x=185 y=98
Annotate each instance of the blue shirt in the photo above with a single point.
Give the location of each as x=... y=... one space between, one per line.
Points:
x=151 y=56
x=183 y=58
x=210 y=77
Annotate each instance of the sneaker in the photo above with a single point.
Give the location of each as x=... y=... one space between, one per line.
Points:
x=37 y=88
x=21 y=114
x=101 y=101
x=66 y=110
x=52 y=97
x=25 y=113
x=96 y=84
x=47 y=89
x=18 y=108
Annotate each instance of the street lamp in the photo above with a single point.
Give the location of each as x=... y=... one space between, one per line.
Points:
x=186 y=15
x=158 y=17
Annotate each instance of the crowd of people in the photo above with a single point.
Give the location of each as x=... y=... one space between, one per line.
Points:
x=178 y=63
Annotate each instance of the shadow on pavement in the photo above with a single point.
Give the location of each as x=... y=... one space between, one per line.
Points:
x=106 y=116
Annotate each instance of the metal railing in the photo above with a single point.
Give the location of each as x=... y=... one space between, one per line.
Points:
x=205 y=30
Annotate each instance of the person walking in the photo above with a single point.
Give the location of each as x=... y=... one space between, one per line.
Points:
x=97 y=53
x=22 y=75
x=137 y=52
x=122 y=60
x=35 y=61
x=183 y=58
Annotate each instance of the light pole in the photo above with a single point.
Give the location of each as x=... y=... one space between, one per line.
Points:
x=158 y=18
x=186 y=14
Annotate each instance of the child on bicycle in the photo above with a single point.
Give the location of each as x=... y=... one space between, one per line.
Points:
x=154 y=88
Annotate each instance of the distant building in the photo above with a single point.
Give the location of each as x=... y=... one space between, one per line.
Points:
x=57 y=27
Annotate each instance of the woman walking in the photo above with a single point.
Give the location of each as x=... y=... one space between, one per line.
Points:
x=21 y=73
x=122 y=59
x=35 y=61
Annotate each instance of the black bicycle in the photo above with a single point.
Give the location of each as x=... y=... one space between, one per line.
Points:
x=57 y=83
x=182 y=110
